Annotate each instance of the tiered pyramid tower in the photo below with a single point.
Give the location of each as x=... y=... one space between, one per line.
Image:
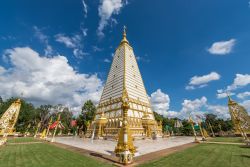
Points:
x=124 y=74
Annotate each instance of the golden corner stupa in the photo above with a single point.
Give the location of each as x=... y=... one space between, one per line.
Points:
x=124 y=74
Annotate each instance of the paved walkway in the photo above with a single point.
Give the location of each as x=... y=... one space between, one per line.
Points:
x=115 y=161
x=107 y=146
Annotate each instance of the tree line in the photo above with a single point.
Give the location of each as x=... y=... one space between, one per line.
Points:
x=218 y=125
x=30 y=116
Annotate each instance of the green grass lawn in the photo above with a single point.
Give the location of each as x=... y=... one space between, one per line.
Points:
x=227 y=139
x=42 y=155
x=206 y=155
x=21 y=140
x=46 y=155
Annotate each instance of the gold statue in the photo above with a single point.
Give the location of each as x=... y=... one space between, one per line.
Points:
x=240 y=118
x=8 y=120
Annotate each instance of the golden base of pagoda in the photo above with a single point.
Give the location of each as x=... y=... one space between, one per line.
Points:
x=125 y=148
x=125 y=134
x=10 y=132
x=125 y=157
x=135 y=132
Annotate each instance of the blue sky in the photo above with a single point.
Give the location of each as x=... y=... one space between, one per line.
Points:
x=189 y=52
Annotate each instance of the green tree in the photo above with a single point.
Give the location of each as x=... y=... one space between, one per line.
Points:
x=187 y=128
x=87 y=115
x=44 y=113
x=1 y=100
x=158 y=117
x=226 y=125
x=66 y=118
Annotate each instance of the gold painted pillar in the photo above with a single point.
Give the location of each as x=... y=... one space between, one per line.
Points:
x=125 y=148
x=50 y=122
x=58 y=121
x=201 y=130
x=192 y=124
x=211 y=129
x=100 y=123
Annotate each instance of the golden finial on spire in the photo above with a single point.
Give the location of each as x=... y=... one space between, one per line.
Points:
x=124 y=31
x=229 y=97
x=124 y=39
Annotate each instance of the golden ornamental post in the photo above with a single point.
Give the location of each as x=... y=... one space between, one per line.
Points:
x=125 y=149
x=192 y=124
x=211 y=129
x=201 y=130
x=50 y=122
x=58 y=121
x=37 y=129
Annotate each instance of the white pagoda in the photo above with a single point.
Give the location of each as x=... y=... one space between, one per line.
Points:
x=124 y=75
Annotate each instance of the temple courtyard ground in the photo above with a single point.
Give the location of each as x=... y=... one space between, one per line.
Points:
x=29 y=152
x=107 y=146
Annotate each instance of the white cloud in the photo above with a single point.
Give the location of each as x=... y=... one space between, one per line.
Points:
x=47 y=80
x=160 y=102
x=70 y=42
x=97 y=49
x=240 y=80
x=2 y=70
x=201 y=81
x=188 y=87
x=74 y=42
x=243 y=95
x=106 y=9
x=173 y=114
x=199 y=107
x=193 y=105
x=221 y=95
x=219 y=110
x=84 y=31
x=222 y=47
x=246 y=104
x=190 y=107
x=44 y=39
x=85 y=8
x=106 y=60
x=143 y=58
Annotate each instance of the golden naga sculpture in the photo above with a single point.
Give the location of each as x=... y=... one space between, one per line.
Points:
x=240 y=118
x=9 y=119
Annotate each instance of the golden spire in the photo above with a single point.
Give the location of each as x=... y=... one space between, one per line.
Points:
x=230 y=101
x=124 y=39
